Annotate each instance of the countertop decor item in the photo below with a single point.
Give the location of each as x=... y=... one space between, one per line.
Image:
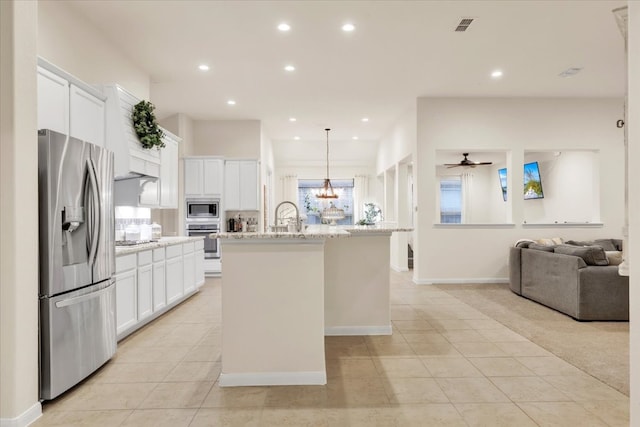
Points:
x=327 y=190
x=332 y=214
x=145 y=125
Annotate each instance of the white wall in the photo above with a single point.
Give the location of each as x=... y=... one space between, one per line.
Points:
x=633 y=124
x=515 y=126
x=398 y=143
x=19 y=214
x=69 y=41
x=228 y=138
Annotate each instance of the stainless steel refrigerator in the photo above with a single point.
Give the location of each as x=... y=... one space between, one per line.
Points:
x=77 y=260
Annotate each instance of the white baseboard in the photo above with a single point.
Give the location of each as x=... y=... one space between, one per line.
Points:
x=357 y=330
x=24 y=419
x=399 y=269
x=483 y=280
x=273 y=378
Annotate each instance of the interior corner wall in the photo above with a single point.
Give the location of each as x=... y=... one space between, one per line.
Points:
x=513 y=125
x=68 y=40
x=228 y=138
x=633 y=123
x=19 y=368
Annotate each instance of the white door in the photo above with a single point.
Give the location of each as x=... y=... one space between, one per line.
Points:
x=126 y=300
x=175 y=278
x=213 y=177
x=248 y=185
x=231 y=200
x=145 y=291
x=189 y=272
x=159 y=289
x=169 y=174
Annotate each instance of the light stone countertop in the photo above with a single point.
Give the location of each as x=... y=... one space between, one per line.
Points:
x=164 y=241
x=318 y=232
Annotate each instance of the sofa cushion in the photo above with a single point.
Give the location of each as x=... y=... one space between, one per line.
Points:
x=592 y=255
x=614 y=257
x=539 y=247
x=606 y=244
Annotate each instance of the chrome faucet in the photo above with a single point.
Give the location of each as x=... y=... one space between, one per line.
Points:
x=275 y=216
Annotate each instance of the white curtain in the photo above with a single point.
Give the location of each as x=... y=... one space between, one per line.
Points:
x=466 y=183
x=360 y=196
x=289 y=188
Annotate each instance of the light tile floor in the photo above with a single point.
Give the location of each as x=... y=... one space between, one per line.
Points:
x=446 y=364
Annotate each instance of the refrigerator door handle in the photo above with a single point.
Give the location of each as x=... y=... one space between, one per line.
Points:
x=79 y=299
x=96 y=224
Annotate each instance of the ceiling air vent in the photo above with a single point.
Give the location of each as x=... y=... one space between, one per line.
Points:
x=464 y=24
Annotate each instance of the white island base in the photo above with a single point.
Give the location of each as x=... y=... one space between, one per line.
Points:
x=283 y=292
x=273 y=313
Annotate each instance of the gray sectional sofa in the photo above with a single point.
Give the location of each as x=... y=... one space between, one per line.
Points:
x=559 y=277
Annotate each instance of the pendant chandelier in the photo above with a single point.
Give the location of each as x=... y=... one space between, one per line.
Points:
x=327 y=189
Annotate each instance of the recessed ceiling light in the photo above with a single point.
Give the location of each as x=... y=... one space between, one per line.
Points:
x=292 y=119
x=348 y=27
x=284 y=27
x=496 y=74
x=231 y=102
x=365 y=119
x=354 y=137
x=289 y=68
x=297 y=138
x=203 y=67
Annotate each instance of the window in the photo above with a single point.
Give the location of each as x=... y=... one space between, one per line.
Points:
x=450 y=200
x=312 y=207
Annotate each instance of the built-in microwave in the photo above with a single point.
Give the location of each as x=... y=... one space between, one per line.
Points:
x=203 y=209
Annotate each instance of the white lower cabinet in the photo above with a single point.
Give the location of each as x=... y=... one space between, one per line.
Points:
x=189 y=268
x=159 y=282
x=126 y=292
x=145 y=284
x=198 y=246
x=151 y=281
x=175 y=273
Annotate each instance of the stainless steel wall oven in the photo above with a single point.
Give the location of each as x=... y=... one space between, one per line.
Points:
x=211 y=245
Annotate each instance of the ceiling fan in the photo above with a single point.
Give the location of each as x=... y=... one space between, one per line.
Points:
x=466 y=162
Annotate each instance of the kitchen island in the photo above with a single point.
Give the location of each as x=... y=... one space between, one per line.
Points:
x=283 y=292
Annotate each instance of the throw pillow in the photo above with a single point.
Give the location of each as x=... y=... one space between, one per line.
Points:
x=592 y=255
x=614 y=257
x=550 y=242
x=539 y=247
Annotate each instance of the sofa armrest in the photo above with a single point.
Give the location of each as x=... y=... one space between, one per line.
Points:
x=515 y=269
x=551 y=279
x=603 y=294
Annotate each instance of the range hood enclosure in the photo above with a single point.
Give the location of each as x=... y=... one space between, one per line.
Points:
x=131 y=160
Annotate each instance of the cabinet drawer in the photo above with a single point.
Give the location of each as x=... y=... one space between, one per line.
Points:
x=125 y=262
x=145 y=258
x=158 y=254
x=199 y=245
x=187 y=248
x=174 y=251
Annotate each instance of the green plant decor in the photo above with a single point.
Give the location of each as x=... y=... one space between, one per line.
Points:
x=145 y=125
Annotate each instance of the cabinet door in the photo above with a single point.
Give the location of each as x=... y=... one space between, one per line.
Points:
x=189 y=272
x=126 y=300
x=213 y=177
x=159 y=289
x=231 y=185
x=169 y=174
x=53 y=102
x=193 y=177
x=145 y=291
x=86 y=116
x=248 y=181
x=175 y=279
x=199 y=268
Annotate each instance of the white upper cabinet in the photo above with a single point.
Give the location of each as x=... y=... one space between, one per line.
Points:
x=169 y=171
x=53 y=102
x=203 y=176
x=69 y=106
x=86 y=116
x=241 y=189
